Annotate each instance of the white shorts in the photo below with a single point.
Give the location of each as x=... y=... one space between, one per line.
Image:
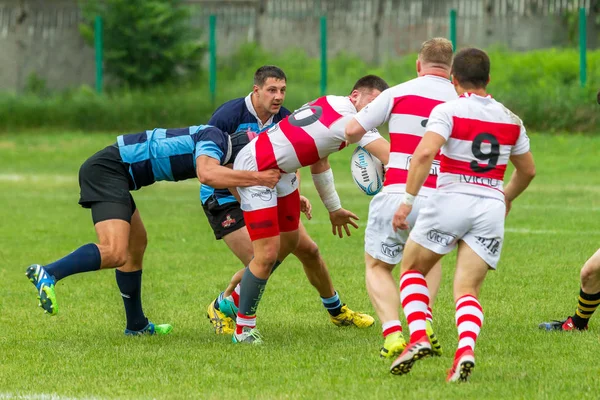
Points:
x=260 y=197
x=381 y=242
x=450 y=217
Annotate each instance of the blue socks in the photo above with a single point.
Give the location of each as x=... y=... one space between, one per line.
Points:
x=130 y=285
x=333 y=304
x=84 y=259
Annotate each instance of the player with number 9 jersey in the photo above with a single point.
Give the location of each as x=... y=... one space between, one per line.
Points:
x=477 y=136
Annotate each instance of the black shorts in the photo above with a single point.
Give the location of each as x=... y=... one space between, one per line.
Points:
x=223 y=219
x=104 y=179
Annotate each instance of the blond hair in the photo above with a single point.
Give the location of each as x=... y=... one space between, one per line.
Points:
x=436 y=51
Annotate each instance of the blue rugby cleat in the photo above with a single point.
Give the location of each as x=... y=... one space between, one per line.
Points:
x=227 y=307
x=151 y=329
x=44 y=284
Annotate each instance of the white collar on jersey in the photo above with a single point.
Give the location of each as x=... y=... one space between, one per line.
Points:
x=468 y=94
x=250 y=108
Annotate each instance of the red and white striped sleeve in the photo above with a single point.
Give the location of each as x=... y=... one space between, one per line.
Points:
x=522 y=145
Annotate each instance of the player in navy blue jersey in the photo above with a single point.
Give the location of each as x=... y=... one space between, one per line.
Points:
x=257 y=112
x=106 y=180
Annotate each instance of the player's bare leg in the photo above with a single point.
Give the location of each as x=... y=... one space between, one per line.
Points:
x=222 y=311
x=385 y=298
x=241 y=246
x=113 y=242
x=138 y=241
x=470 y=273
x=590 y=274
x=129 y=281
x=318 y=275
x=314 y=266
x=588 y=301
x=417 y=261
x=253 y=285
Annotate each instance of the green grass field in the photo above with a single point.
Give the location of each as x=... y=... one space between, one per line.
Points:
x=82 y=352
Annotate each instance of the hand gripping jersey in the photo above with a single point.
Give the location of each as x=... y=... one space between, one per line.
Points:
x=407 y=107
x=308 y=135
x=481 y=134
x=236 y=116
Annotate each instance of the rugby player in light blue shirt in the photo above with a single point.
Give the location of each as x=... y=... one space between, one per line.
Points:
x=106 y=180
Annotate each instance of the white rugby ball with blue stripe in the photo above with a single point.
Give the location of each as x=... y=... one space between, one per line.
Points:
x=367 y=171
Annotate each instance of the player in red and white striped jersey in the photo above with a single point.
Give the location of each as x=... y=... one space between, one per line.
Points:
x=305 y=138
x=407 y=107
x=477 y=136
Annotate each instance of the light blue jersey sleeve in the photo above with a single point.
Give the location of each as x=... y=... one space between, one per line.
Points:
x=210 y=149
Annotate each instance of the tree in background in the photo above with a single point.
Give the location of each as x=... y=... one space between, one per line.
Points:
x=145 y=41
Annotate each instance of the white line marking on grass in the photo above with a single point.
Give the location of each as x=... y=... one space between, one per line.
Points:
x=37 y=178
x=41 y=396
x=519 y=231
x=527 y=231
x=564 y=207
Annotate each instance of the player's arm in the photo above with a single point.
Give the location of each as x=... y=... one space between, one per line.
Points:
x=522 y=176
x=323 y=179
x=373 y=115
x=420 y=164
x=524 y=172
x=354 y=131
x=379 y=148
x=211 y=172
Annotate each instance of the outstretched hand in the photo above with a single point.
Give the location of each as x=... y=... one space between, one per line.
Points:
x=341 y=219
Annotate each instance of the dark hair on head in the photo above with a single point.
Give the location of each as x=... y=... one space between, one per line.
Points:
x=370 y=82
x=471 y=67
x=268 y=71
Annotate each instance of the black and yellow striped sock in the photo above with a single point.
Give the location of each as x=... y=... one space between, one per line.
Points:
x=586 y=307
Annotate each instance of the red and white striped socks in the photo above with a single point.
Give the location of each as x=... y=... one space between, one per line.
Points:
x=429 y=315
x=235 y=295
x=390 y=327
x=244 y=320
x=414 y=296
x=469 y=318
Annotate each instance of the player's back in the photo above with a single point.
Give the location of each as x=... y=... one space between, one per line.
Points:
x=409 y=106
x=303 y=138
x=169 y=154
x=484 y=134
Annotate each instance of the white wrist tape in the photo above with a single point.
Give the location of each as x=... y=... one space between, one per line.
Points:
x=408 y=199
x=326 y=189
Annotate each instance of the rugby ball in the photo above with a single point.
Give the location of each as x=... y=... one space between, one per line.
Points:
x=367 y=171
